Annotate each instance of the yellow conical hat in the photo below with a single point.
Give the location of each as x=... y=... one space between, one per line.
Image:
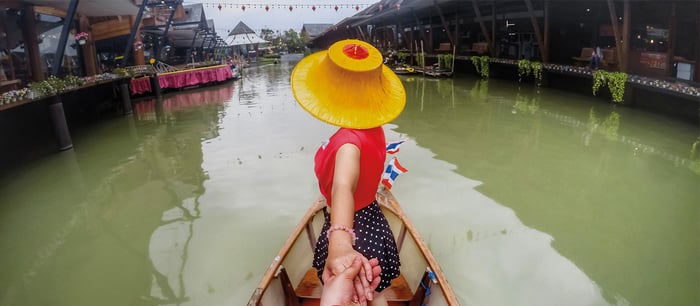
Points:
x=348 y=86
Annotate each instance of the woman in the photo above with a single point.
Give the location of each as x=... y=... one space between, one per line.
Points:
x=347 y=86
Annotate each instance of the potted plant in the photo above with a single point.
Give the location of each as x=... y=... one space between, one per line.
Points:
x=81 y=38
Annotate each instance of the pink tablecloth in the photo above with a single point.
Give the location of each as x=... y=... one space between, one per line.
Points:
x=186 y=78
x=140 y=85
x=183 y=79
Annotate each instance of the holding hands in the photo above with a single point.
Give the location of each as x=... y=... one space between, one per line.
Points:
x=350 y=285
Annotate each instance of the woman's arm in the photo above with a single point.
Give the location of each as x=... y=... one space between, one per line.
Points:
x=340 y=245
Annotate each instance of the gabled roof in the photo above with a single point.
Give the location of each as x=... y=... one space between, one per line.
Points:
x=195 y=15
x=315 y=29
x=241 y=28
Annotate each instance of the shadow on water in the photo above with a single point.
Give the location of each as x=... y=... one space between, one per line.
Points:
x=615 y=187
x=114 y=220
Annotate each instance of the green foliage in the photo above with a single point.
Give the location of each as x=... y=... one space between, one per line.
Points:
x=123 y=72
x=420 y=59
x=609 y=127
x=482 y=65
x=526 y=105
x=401 y=56
x=72 y=81
x=480 y=89
x=523 y=69
x=526 y=67
x=614 y=80
x=445 y=61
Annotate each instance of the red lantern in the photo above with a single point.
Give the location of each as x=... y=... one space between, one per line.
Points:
x=336 y=8
x=313 y=8
x=243 y=7
x=267 y=8
x=219 y=6
x=381 y=7
x=357 y=7
x=291 y=8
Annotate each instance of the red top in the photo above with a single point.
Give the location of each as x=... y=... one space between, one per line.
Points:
x=372 y=145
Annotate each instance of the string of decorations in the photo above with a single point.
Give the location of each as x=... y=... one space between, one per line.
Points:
x=290 y=7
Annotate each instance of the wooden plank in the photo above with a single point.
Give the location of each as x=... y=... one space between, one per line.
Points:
x=47 y=10
x=111 y=28
x=290 y=297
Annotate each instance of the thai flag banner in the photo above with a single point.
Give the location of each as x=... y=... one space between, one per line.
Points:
x=393 y=147
x=393 y=169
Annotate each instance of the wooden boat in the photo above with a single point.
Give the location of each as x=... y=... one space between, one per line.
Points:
x=290 y=279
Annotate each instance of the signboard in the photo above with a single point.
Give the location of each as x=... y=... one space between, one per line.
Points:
x=654 y=60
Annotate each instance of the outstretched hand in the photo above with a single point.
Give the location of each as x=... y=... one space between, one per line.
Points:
x=341 y=289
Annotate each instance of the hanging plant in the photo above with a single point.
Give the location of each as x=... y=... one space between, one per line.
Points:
x=483 y=63
x=401 y=56
x=420 y=59
x=598 y=79
x=536 y=68
x=615 y=82
x=526 y=67
x=445 y=61
x=523 y=69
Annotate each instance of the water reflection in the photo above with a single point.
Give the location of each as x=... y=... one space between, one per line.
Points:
x=536 y=152
x=114 y=220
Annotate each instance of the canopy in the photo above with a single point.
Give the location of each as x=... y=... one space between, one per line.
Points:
x=243 y=35
x=244 y=39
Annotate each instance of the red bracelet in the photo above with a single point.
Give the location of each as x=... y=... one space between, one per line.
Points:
x=341 y=228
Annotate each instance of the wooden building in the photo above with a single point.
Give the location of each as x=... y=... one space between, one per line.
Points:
x=646 y=37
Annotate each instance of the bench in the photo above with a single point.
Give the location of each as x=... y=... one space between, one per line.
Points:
x=585 y=56
x=609 y=58
x=479 y=48
x=444 y=47
x=9 y=83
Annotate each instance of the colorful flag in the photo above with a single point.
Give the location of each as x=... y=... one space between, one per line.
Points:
x=393 y=169
x=393 y=147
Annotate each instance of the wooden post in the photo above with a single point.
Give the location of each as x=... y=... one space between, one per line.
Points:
x=616 y=32
x=89 y=53
x=627 y=17
x=483 y=27
x=421 y=30
x=60 y=125
x=494 y=53
x=536 y=27
x=31 y=44
x=697 y=47
x=126 y=97
x=445 y=25
x=671 y=51
x=545 y=55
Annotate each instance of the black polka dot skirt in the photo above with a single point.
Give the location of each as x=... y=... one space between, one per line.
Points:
x=374 y=240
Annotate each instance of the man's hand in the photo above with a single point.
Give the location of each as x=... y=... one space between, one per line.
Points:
x=340 y=289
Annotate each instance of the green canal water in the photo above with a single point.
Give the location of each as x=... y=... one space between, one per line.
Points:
x=525 y=197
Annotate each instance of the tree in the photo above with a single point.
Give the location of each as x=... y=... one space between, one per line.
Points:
x=294 y=42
